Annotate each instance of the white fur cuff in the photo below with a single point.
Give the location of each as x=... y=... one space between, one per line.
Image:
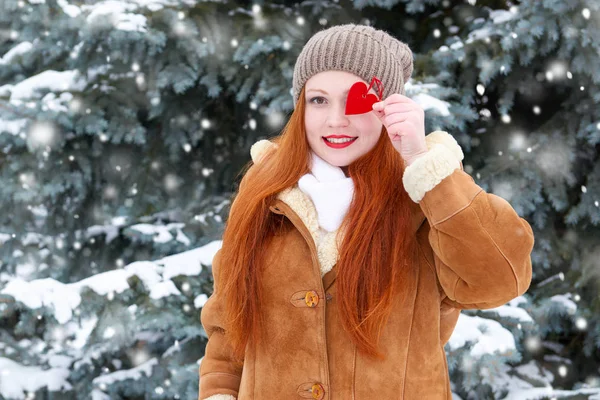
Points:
x=428 y=170
x=220 y=397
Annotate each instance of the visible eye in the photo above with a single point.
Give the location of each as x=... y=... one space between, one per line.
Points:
x=318 y=97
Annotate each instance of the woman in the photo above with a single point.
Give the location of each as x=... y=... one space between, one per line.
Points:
x=344 y=266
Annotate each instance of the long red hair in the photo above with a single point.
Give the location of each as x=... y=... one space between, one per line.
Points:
x=371 y=257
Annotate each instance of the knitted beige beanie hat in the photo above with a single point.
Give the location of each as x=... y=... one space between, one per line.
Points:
x=360 y=49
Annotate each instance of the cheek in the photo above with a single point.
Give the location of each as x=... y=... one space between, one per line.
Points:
x=370 y=126
x=313 y=122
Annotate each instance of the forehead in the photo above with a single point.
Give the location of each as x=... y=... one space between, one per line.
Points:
x=334 y=82
x=331 y=79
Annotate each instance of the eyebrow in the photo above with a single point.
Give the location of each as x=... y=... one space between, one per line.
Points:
x=322 y=91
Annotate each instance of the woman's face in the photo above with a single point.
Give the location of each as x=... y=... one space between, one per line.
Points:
x=326 y=94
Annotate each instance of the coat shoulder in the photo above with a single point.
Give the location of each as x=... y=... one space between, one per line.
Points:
x=260 y=148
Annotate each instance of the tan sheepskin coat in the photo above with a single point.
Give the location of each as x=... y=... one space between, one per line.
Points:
x=474 y=254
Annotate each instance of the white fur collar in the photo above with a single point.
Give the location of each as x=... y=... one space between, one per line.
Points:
x=329 y=190
x=444 y=156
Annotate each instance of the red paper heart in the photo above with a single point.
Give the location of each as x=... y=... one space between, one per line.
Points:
x=358 y=101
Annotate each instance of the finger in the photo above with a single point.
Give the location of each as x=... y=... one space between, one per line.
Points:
x=398 y=128
x=395 y=135
x=394 y=118
x=380 y=105
x=397 y=98
x=400 y=107
x=380 y=114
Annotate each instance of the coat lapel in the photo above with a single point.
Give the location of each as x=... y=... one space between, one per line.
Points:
x=329 y=278
x=281 y=207
x=300 y=209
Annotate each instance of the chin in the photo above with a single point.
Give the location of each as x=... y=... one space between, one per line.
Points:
x=338 y=163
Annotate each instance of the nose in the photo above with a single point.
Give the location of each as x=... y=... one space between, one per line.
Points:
x=337 y=115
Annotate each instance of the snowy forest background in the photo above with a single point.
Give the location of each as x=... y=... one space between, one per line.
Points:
x=124 y=125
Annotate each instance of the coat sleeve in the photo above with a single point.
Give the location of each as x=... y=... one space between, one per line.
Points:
x=482 y=248
x=220 y=377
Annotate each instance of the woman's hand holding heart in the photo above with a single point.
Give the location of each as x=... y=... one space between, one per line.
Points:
x=404 y=121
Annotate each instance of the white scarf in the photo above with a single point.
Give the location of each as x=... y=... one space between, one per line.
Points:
x=330 y=190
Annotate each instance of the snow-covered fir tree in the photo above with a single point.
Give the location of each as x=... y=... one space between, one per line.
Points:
x=124 y=125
